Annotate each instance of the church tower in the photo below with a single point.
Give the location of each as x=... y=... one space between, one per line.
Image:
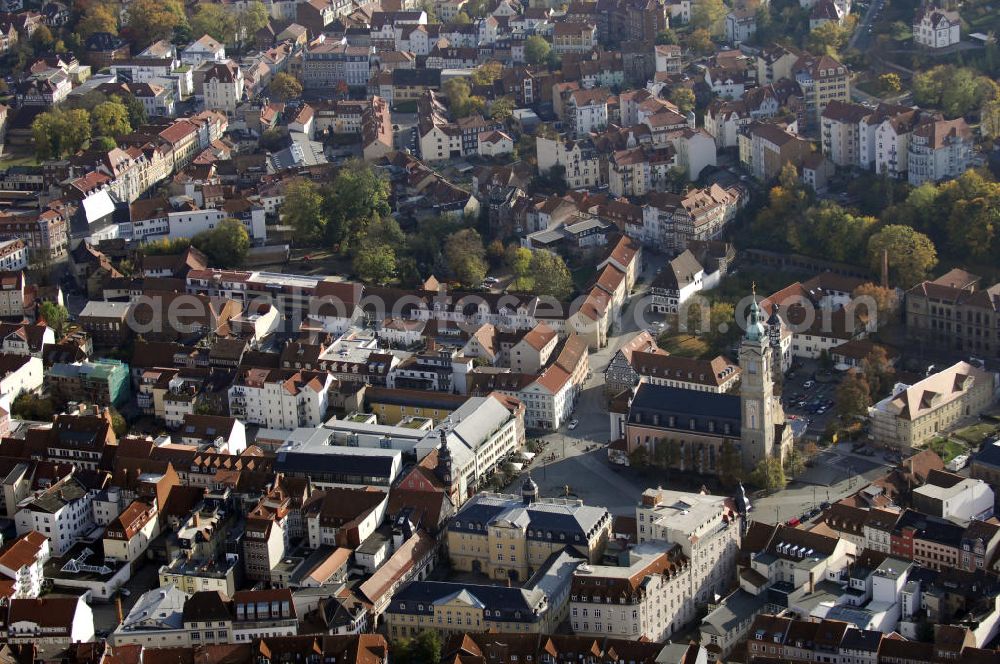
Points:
x=759 y=406
x=444 y=470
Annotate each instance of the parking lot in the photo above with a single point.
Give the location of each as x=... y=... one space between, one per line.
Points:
x=809 y=394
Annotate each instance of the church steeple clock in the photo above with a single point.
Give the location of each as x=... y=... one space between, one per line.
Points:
x=759 y=406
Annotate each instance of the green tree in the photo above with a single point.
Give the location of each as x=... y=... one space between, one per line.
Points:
x=284 y=86
x=700 y=41
x=303 y=211
x=466 y=257
x=385 y=230
x=973 y=226
x=461 y=18
x=550 y=275
x=375 y=263
x=769 y=474
x=215 y=21
x=98 y=17
x=103 y=143
x=519 y=261
x=709 y=15
x=831 y=231
x=427 y=647
x=136 y=110
x=32 y=407
x=884 y=298
x=118 y=423
x=487 y=73
x=110 y=118
x=226 y=245
x=502 y=109
x=890 y=82
x=250 y=19
x=853 y=396
x=357 y=194
x=536 y=50
x=460 y=100
x=165 y=247
x=683 y=97
x=899 y=31
x=955 y=90
x=42 y=39
x=828 y=38
x=795 y=463
x=666 y=38
x=60 y=132
x=639 y=457
x=151 y=20
x=911 y=254
x=55 y=316
x=990 y=115
x=878 y=372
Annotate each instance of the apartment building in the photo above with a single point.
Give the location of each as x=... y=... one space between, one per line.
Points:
x=45 y=233
x=129 y=534
x=953 y=312
x=224 y=87
x=939 y=150
x=941 y=544
x=766 y=148
x=511 y=537
x=103 y=382
x=328 y=63
x=281 y=398
x=13 y=255
x=63 y=513
x=586 y=110
x=823 y=79
x=22 y=563
x=640 y=170
x=841 y=132
x=936 y=28
x=476 y=438
x=707 y=532
x=914 y=414
x=645 y=597
x=671 y=222
x=263 y=613
x=579 y=159
x=573 y=37
x=12 y=287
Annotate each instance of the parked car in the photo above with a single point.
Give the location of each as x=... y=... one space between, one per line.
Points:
x=808 y=384
x=825 y=505
x=573 y=424
x=793 y=522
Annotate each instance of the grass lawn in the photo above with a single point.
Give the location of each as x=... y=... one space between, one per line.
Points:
x=684 y=345
x=973 y=435
x=946 y=449
x=9 y=160
x=737 y=286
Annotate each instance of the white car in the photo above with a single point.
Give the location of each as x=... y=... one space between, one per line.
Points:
x=808 y=384
x=573 y=424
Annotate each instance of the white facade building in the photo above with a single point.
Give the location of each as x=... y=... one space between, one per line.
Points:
x=937 y=28
x=704 y=528
x=63 y=513
x=281 y=399
x=649 y=598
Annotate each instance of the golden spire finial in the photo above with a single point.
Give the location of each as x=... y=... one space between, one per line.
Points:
x=753 y=288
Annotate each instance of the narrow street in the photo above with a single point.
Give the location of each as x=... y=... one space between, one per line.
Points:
x=581 y=458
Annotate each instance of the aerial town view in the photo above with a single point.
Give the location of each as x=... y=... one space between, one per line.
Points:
x=499 y=331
